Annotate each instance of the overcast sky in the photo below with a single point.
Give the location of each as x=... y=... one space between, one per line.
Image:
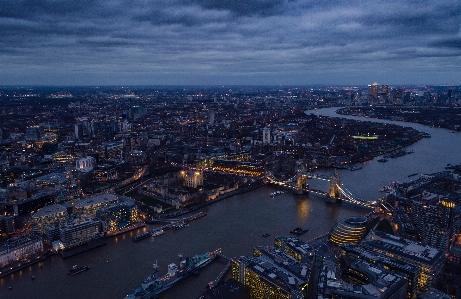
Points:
x=222 y=42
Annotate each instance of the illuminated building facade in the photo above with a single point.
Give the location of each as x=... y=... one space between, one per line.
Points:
x=244 y=168
x=295 y=248
x=192 y=179
x=373 y=93
x=267 y=279
x=90 y=206
x=374 y=90
x=79 y=231
x=52 y=180
x=292 y=269
x=20 y=248
x=85 y=164
x=105 y=172
x=420 y=264
x=61 y=157
x=49 y=215
x=348 y=230
x=117 y=217
x=384 y=90
x=436 y=224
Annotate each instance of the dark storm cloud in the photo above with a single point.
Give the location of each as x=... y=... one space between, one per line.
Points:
x=245 y=7
x=451 y=43
x=255 y=40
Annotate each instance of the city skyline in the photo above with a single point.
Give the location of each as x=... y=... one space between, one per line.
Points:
x=208 y=42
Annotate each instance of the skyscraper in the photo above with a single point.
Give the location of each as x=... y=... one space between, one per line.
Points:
x=266 y=135
x=211 y=119
x=33 y=133
x=450 y=93
x=374 y=90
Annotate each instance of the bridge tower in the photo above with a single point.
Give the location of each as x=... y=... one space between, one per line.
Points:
x=335 y=182
x=301 y=182
x=301 y=177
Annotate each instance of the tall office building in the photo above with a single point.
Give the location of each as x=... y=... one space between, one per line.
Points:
x=266 y=135
x=137 y=112
x=397 y=95
x=78 y=130
x=450 y=93
x=436 y=224
x=373 y=93
x=374 y=90
x=33 y=133
x=385 y=89
x=211 y=117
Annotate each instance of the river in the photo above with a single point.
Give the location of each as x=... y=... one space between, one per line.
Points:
x=235 y=225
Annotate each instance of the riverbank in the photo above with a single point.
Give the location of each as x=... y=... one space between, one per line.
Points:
x=83 y=248
x=22 y=265
x=183 y=211
x=447 y=118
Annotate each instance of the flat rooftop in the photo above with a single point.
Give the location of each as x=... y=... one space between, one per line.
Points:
x=49 y=210
x=98 y=199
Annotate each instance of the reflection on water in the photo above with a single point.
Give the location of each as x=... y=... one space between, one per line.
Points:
x=302 y=208
x=235 y=225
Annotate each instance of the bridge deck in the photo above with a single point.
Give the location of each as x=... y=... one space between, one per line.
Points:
x=345 y=194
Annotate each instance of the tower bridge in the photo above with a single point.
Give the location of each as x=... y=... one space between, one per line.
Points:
x=336 y=192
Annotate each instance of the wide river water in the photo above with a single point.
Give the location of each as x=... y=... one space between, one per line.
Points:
x=235 y=225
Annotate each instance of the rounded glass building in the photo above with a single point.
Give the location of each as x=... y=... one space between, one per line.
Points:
x=349 y=230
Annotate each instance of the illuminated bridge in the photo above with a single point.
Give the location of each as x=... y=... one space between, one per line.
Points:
x=336 y=192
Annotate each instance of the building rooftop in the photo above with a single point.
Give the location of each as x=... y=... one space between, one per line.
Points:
x=380 y=283
x=433 y=294
x=49 y=210
x=98 y=199
x=404 y=247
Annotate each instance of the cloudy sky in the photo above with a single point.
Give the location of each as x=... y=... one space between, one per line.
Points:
x=222 y=42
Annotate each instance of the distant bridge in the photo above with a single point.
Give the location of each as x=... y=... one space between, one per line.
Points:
x=336 y=192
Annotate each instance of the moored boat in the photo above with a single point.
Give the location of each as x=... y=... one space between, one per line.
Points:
x=154 y=285
x=157 y=232
x=141 y=236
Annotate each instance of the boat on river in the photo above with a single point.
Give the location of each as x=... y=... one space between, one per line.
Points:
x=276 y=193
x=299 y=231
x=77 y=269
x=155 y=284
